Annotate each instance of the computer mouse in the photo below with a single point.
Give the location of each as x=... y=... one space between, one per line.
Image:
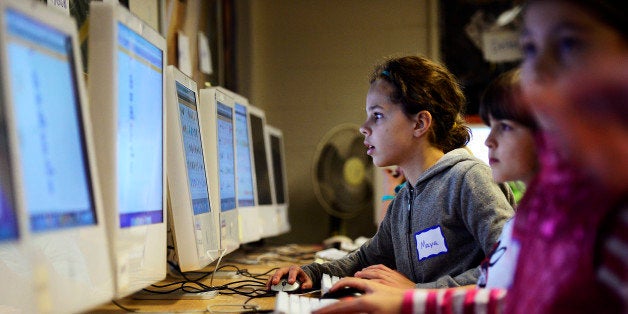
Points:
x=342 y=293
x=284 y=286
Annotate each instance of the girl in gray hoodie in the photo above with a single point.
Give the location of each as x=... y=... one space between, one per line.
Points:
x=450 y=213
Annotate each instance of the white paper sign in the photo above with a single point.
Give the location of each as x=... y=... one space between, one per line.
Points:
x=501 y=46
x=63 y=5
x=430 y=242
x=204 y=54
x=183 y=48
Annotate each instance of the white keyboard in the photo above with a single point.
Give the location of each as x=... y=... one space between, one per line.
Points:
x=327 y=281
x=297 y=304
x=294 y=303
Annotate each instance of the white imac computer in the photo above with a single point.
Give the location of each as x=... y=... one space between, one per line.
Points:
x=279 y=178
x=250 y=228
x=126 y=68
x=194 y=224
x=216 y=117
x=479 y=134
x=49 y=176
x=269 y=220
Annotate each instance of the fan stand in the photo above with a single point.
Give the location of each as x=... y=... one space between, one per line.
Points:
x=337 y=226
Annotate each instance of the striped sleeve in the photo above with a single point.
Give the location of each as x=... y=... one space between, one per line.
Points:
x=613 y=270
x=454 y=300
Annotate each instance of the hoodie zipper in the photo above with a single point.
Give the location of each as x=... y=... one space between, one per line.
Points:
x=409 y=240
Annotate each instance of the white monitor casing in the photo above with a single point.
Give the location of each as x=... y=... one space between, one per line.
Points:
x=57 y=271
x=138 y=252
x=279 y=177
x=210 y=98
x=269 y=219
x=248 y=213
x=196 y=237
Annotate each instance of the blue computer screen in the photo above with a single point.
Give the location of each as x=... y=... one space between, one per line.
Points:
x=52 y=156
x=195 y=163
x=8 y=221
x=226 y=162
x=246 y=196
x=140 y=129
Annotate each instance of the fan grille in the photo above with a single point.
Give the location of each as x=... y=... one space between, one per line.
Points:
x=343 y=172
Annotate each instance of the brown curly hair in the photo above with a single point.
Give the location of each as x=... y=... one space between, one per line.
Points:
x=422 y=84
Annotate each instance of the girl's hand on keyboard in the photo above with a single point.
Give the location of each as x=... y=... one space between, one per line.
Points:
x=293 y=273
x=384 y=275
x=379 y=298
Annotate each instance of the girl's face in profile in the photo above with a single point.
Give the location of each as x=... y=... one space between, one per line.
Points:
x=511 y=151
x=564 y=45
x=387 y=131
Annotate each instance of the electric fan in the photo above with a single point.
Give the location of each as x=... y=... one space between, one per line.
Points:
x=343 y=173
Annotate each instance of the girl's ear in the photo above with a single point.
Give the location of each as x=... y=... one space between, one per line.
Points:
x=423 y=122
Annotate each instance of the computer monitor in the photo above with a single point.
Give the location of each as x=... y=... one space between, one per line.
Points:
x=126 y=84
x=194 y=225
x=269 y=220
x=479 y=134
x=246 y=195
x=216 y=117
x=279 y=177
x=49 y=179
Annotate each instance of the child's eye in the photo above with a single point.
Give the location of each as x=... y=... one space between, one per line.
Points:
x=377 y=115
x=505 y=126
x=528 y=49
x=569 y=45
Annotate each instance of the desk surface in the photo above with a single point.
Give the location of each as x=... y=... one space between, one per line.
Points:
x=259 y=262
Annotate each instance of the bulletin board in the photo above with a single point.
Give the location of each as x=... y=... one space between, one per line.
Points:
x=461 y=55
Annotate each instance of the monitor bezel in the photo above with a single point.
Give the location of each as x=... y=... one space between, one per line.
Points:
x=229 y=223
x=181 y=215
x=250 y=229
x=81 y=247
x=138 y=252
x=267 y=212
x=282 y=208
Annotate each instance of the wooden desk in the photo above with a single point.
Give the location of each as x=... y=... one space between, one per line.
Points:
x=269 y=258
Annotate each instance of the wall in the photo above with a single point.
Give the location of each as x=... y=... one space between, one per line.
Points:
x=306 y=63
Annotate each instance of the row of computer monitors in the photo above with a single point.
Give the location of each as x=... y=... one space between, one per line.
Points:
x=96 y=182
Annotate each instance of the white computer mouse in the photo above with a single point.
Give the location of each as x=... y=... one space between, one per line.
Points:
x=284 y=286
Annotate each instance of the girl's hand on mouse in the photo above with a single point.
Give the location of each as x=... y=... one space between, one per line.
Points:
x=293 y=273
x=384 y=275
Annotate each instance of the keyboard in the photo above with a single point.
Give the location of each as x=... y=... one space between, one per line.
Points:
x=293 y=303
x=327 y=281
x=298 y=304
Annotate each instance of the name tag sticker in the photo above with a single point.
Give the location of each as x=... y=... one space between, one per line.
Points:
x=430 y=242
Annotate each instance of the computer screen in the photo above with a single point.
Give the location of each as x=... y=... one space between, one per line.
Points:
x=479 y=134
x=126 y=84
x=250 y=229
x=9 y=225
x=226 y=157
x=261 y=154
x=279 y=176
x=217 y=120
x=195 y=232
x=53 y=167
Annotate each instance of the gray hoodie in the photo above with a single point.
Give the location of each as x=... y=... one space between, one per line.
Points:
x=437 y=232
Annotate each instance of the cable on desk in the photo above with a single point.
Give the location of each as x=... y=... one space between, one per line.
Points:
x=123 y=307
x=247 y=308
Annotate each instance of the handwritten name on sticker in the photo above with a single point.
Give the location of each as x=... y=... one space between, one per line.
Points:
x=430 y=242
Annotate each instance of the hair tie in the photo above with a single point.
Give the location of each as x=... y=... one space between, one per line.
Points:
x=386 y=73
